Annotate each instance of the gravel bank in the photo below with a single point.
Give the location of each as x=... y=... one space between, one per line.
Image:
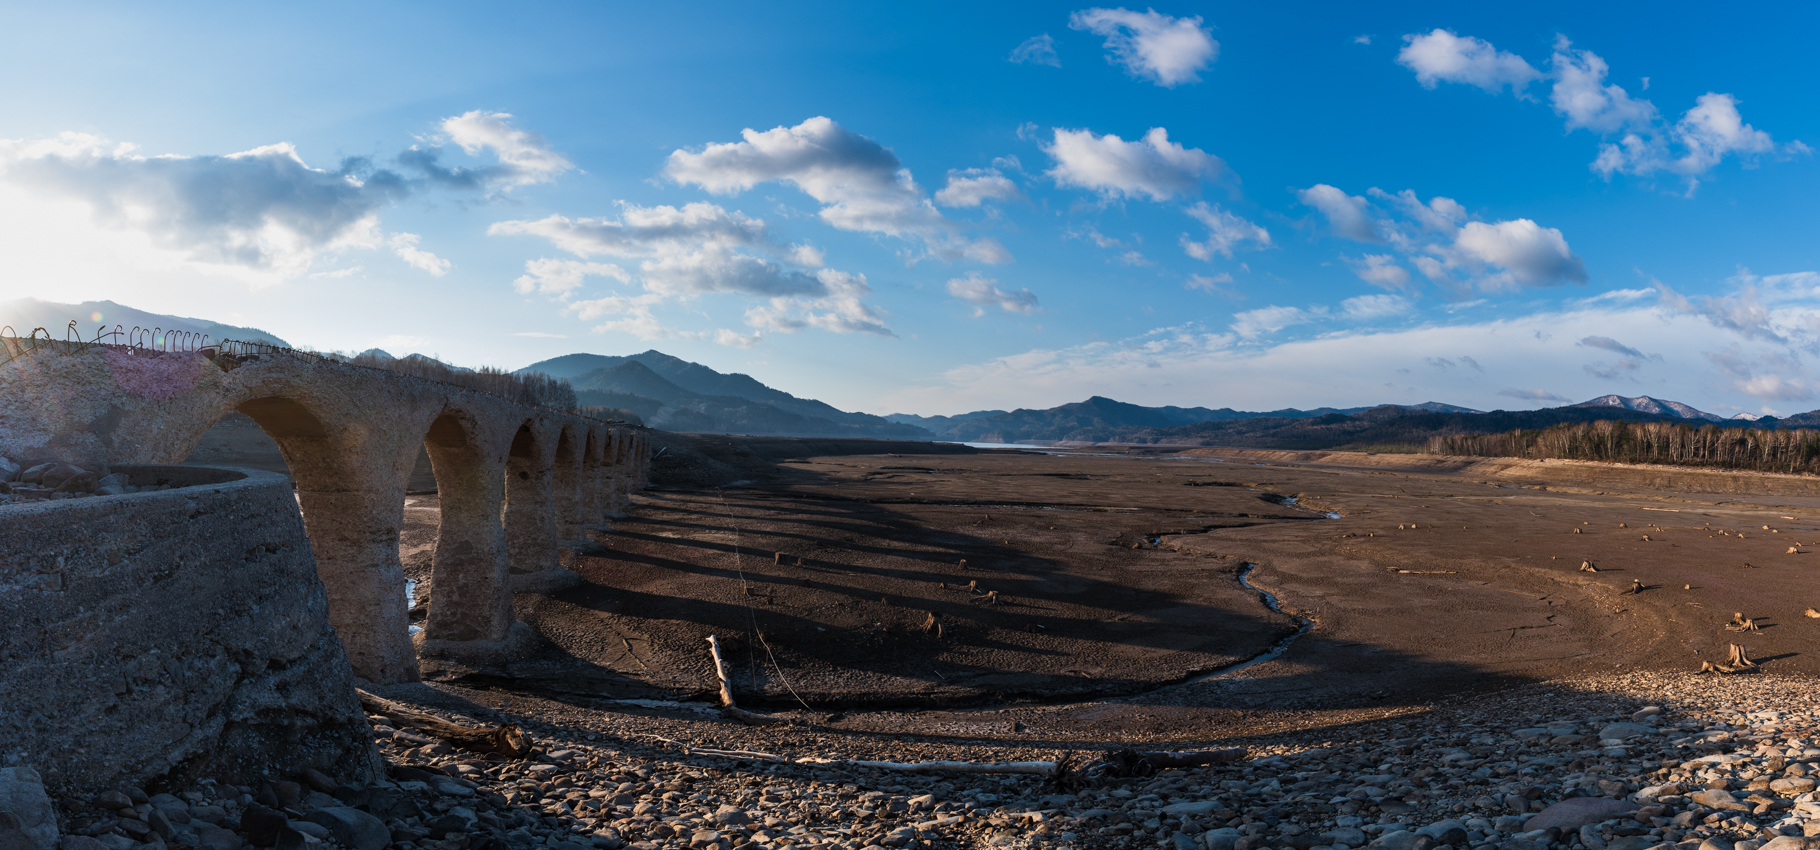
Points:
x=1727 y=762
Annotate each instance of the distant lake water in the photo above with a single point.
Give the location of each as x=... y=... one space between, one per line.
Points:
x=1000 y=445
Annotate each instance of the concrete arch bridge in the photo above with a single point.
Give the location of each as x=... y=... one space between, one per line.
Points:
x=514 y=479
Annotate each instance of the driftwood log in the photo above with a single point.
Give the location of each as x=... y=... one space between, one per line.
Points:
x=506 y=740
x=727 y=705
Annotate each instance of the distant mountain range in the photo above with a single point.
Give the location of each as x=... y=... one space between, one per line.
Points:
x=676 y=395
x=1100 y=419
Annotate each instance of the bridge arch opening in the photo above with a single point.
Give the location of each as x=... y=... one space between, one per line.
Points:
x=469 y=585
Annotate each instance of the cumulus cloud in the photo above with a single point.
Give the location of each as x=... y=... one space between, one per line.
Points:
x=1152 y=166
x=1349 y=215
x=1741 y=312
x=405 y=246
x=1522 y=252
x=562 y=277
x=1151 y=46
x=695 y=250
x=643 y=231
x=984 y=293
x=1441 y=56
x=1640 y=142
x=263 y=208
x=527 y=158
x=735 y=339
x=1037 y=50
x=861 y=184
x=1439 y=241
x=1379 y=270
x=974 y=186
x=1225 y=231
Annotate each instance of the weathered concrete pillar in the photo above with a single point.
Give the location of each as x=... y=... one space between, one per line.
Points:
x=530 y=514
x=470 y=598
x=641 y=461
x=566 y=482
x=351 y=492
x=612 y=471
x=593 y=500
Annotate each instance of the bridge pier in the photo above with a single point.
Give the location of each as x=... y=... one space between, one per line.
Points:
x=532 y=547
x=566 y=485
x=470 y=592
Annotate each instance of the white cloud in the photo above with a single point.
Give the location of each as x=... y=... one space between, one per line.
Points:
x=1527 y=253
x=1349 y=215
x=1251 y=324
x=562 y=277
x=1644 y=144
x=405 y=246
x=1348 y=368
x=528 y=159
x=541 y=335
x=1167 y=51
x=643 y=231
x=1582 y=96
x=631 y=315
x=338 y=273
x=860 y=183
x=1037 y=50
x=808 y=256
x=840 y=310
x=263 y=209
x=1361 y=39
x=973 y=186
x=1152 y=166
x=1713 y=129
x=1225 y=231
x=696 y=250
x=1380 y=270
x=1367 y=307
x=1441 y=56
x=984 y=292
x=1436 y=238
x=736 y=339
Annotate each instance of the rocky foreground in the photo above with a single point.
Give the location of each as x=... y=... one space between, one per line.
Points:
x=1622 y=763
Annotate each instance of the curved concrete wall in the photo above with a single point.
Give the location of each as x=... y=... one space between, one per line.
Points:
x=350 y=436
x=178 y=632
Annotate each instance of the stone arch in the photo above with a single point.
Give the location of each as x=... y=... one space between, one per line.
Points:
x=565 y=480
x=469 y=586
x=353 y=507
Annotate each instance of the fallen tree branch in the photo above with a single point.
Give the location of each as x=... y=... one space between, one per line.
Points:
x=505 y=740
x=1036 y=768
x=727 y=705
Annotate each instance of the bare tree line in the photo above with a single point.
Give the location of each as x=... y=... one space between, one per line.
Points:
x=1755 y=449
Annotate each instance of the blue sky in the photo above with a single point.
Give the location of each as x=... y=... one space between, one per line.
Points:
x=934 y=208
